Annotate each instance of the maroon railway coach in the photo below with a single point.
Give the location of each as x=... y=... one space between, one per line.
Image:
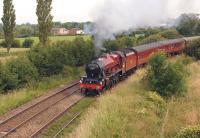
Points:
x=107 y=70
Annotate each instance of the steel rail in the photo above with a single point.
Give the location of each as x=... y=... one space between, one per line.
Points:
x=28 y=108
x=55 y=118
x=21 y=124
x=67 y=124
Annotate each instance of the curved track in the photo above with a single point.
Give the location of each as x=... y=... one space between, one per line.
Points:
x=32 y=120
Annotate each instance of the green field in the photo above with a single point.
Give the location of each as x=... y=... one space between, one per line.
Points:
x=53 y=38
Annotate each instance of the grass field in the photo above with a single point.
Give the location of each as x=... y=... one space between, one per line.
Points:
x=130 y=110
x=53 y=38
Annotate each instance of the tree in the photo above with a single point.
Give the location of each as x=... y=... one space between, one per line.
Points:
x=152 y=38
x=165 y=77
x=8 y=20
x=193 y=49
x=44 y=20
x=170 y=34
x=188 y=24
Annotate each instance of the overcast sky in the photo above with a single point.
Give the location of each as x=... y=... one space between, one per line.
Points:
x=66 y=10
x=63 y=10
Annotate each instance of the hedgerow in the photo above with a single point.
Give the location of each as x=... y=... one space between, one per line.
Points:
x=42 y=62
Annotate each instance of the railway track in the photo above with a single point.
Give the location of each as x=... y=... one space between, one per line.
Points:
x=66 y=125
x=32 y=120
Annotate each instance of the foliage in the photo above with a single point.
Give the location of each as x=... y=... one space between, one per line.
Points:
x=193 y=49
x=8 y=20
x=44 y=20
x=15 y=44
x=8 y=80
x=170 y=34
x=188 y=24
x=24 y=69
x=48 y=60
x=25 y=30
x=152 y=38
x=51 y=60
x=17 y=73
x=28 y=43
x=120 y=43
x=190 y=132
x=165 y=77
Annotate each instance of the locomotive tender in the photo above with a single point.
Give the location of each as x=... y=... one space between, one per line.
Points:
x=110 y=68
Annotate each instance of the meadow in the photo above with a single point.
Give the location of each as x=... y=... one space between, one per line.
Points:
x=131 y=110
x=52 y=38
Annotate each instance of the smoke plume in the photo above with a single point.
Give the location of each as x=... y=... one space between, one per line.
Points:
x=115 y=16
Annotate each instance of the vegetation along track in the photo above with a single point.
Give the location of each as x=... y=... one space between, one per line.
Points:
x=32 y=120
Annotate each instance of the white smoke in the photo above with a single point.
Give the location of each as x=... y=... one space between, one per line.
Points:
x=115 y=16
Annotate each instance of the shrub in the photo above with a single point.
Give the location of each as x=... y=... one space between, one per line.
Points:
x=28 y=43
x=67 y=71
x=165 y=77
x=191 y=132
x=8 y=80
x=48 y=60
x=193 y=49
x=15 y=44
x=170 y=34
x=24 y=69
x=152 y=38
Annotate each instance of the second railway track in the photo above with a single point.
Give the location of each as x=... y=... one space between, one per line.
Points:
x=35 y=118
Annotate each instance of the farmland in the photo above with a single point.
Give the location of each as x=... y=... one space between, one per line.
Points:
x=53 y=38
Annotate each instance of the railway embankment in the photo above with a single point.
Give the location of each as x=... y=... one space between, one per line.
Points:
x=131 y=110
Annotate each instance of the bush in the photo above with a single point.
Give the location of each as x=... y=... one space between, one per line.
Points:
x=152 y=38
x=170 y=34
x=191 y=132
x=24 y=69
x=28 y=43
x=164 y=77
x=48 y=60
x=16 y=73
x=193 y=49
x=15 y=44
x=51 y=60
x=8 y=80
x=119 y=43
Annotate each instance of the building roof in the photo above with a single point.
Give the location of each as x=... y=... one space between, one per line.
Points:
x=145 y=47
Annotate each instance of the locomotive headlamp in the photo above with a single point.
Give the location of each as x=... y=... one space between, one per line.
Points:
x=101 y=82
x=81 y=81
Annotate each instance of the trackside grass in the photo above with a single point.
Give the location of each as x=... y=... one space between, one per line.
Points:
x=55 y=127
x=131 y=111
x=126 y=111
x=33 y=90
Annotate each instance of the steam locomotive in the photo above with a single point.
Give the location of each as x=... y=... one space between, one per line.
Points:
x=110 y=68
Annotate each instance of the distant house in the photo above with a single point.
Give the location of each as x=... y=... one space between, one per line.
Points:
x=80 y=32
x=59 y=31
x=64 y=31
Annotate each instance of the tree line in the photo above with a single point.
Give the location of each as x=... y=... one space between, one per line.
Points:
x=45 y=23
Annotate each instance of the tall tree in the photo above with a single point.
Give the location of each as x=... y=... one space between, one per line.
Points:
x=187 y=24
x=8 y=20
x=44 y=20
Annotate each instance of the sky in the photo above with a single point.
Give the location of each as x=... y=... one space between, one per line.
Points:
x=75 y=10
x=63 y=10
